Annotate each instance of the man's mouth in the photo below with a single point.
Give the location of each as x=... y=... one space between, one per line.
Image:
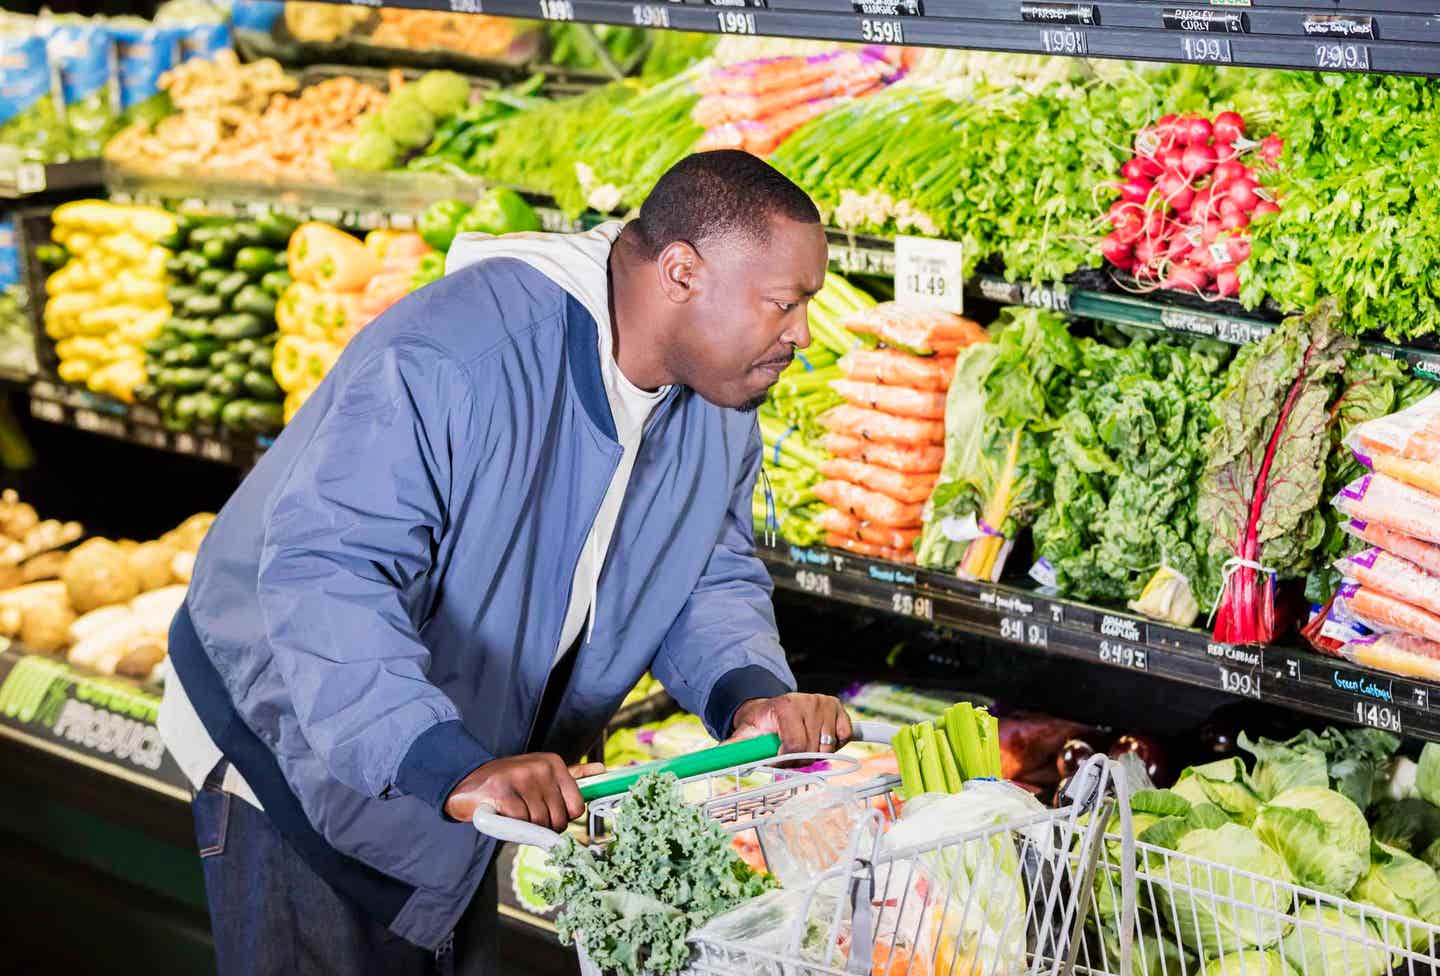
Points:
x=776 y=366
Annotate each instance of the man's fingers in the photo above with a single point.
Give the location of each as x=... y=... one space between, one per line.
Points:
x=574 y=803
x=844 y=729
x=793 y=734
x=581 y=770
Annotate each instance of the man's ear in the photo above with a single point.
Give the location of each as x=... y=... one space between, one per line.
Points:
x=678 y=266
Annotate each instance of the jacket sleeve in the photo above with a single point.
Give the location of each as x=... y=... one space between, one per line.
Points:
x=347 y=547
x=723 y=649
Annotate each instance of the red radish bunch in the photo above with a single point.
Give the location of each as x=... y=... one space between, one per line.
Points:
x=1187 y=197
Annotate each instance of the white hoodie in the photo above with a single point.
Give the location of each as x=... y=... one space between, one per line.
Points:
x=579 y=263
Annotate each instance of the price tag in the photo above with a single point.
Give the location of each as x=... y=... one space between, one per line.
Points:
x=326 y=215
x=1064 y=40
x=928 y=272
x=1124 y=656
x=881 y=31
x=906 y=603
x=1027 y=632
x=47 y=410
x=1245 y=683
x=736 y=22
x=466 y=7
x=1205 y=50
x=557 y=10
x=1341 y=56
x=99 y=423
x=30 y=177
x=1386 y=718
x=186 y=444
x=150 y=437
x=1052 y=298
x=645 y=15
x=813 y=582
x=213 y=450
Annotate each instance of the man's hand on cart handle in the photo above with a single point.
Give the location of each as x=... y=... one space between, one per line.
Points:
x=537 y=787
x=805 y=723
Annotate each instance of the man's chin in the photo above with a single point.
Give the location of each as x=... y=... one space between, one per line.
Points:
x=754 y=403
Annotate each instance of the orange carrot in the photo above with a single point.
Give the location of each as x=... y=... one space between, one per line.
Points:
x=836 y=541
x=897 y=484
x=1426 y=555
x=872 y=425
x=895 y=368
x=918 y=330
x=1382 y=611
x=836 y=522
x=899 y=400
x=869 y=506
x=911 y=458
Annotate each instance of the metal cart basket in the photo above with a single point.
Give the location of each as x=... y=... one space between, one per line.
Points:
x=1005 y=898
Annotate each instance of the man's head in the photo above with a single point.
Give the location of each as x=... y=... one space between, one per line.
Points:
x=736 y=251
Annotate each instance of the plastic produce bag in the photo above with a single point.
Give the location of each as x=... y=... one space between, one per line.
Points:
x=1380 y=570
x=1410 y=433
x=1404 y=654
x=1384 y=613
x=1380 y=499
x=204 y=29
x=815 y=831
x=145 y=52
x=83 y=56
x=32 y=122
x=1426 y=555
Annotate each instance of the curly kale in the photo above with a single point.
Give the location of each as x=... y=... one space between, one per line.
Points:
x=667 y=870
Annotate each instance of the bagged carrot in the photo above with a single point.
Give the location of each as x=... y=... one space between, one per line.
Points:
x=895 y=368
x=836 y=522
x=1424 y=475
x=897 y=484
x=1380 y=570
x=1426 y=555
x=868 y=506
x=1386 y=613
x=910 y=458
x=1404 y=654
x=872 y=425
x=837 y=541
x=1412 y=433
x=1380 y=499
x=898 y=400
x=921 y=331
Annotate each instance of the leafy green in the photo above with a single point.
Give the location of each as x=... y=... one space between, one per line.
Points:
x=1321 y=834
x=1399 y=883
x=1354 y=762
x=1329 y=942
x=1410 y=824
x=1427 y=778
x=1248 y=962
x=1225 y=911
x=964 y=430
x=1127 y=456
x=667 y=870
x=1222 y=783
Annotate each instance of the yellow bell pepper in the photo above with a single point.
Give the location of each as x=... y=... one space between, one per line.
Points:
x=288 y=364
x=144 y=327
x=294 y=308
x=322 y=255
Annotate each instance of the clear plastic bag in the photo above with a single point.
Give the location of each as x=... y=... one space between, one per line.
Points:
x=1380 y=499
x=1403 y=654
x=1424 y=554
x=1380 y=570
x=1411 y=433
x=815 y=831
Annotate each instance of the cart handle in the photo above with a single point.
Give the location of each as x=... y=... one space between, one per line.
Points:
x=512 y=831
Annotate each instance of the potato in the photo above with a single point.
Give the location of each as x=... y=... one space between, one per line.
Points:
x=138 y=662
x=11 y=576
x=97 y=574
x=11 y=617
x=151 y=563
x=45 y=627
x=46 y=566
x=16 y=520
x=190 y=533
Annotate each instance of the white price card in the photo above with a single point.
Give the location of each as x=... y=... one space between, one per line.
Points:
x=929 y=273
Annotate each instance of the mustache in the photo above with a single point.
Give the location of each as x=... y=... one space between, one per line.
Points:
x=784 y=360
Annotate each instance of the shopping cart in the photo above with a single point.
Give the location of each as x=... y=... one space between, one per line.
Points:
x=1165 y=913
x=1006 y=898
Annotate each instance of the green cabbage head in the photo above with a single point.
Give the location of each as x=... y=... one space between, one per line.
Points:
x=1321 y=834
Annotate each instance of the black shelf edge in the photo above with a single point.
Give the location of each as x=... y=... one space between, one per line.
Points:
x=105 y=724
x=1132 y=31
x=1287 y=676
x=35 y=179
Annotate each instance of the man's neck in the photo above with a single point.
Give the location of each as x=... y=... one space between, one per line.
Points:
x=636 y=332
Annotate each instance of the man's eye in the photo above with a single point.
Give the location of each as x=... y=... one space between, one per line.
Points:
x=785 y=307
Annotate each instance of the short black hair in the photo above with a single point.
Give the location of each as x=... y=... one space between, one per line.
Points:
x=720 y=193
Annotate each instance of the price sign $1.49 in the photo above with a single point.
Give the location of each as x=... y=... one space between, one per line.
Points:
x=930 y=273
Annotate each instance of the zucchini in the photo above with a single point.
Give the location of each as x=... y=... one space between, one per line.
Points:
x=177 y=267
x=247 y=233
x=145 y=392
x=235 y=370
x=277 y=227
x=244 y=347
x=222 y=358
x=195 y=263
x=262 y=359
x=232 y=415
x=223 y=387
x=207 y=407
x=263 y=416
x=275 y=282
x=203 y=234
x=231 y=284
x=172 y=242
x=262 y=386
x=191 y=329
x=186 y=409
x=239 y=325
x=190 y=354
x=182 y=379
x=204 y=306
x=177 y=295
x=168 y=338
x=256 y=301
x=209 y=279
x=256 y=260
x=217 y=250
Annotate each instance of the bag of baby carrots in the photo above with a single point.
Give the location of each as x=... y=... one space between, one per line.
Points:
x=1412 y=433
x=838 y=523
x=1378 y=570
x=1403 y=654
x=892 y=367
x=910 y=458
x=836 y=541
x=872 y=425
x=898 y=400
x=896 y=484
x=1385 y=613
x=1380 y=499
x=1426 y=555
x=869 y=506
x=921 y=331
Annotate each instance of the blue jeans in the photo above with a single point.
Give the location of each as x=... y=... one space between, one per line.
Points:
x=271 y=914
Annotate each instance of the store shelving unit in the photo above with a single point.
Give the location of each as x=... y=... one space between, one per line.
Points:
x=1385 y=36
x=24 y=180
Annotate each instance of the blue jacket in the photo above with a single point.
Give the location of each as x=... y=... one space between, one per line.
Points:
x=376 y=610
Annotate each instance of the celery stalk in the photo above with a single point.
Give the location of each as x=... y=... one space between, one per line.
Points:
x=948 y=766
x=960 y=726
x=992 y=745
x=908 y=760
x=928 y=746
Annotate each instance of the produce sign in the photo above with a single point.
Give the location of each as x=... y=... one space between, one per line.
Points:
x=106 y=723
x=1186 y=199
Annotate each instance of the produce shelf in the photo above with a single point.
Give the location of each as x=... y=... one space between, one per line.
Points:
x=32 y=179
x=59 y=403
x=105 y=724
x=1389 y=37
x=1285 y=676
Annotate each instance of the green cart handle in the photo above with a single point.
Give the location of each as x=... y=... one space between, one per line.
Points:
x=691 y=764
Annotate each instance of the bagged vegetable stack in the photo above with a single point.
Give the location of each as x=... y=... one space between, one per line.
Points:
x=1392 y=587
x=886 y=438
x=754 y=105
x=339 y=283
x=211 y=364
x=789 y=424
x=109 y=298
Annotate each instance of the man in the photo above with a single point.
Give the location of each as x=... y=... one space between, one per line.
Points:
x=517 y=490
